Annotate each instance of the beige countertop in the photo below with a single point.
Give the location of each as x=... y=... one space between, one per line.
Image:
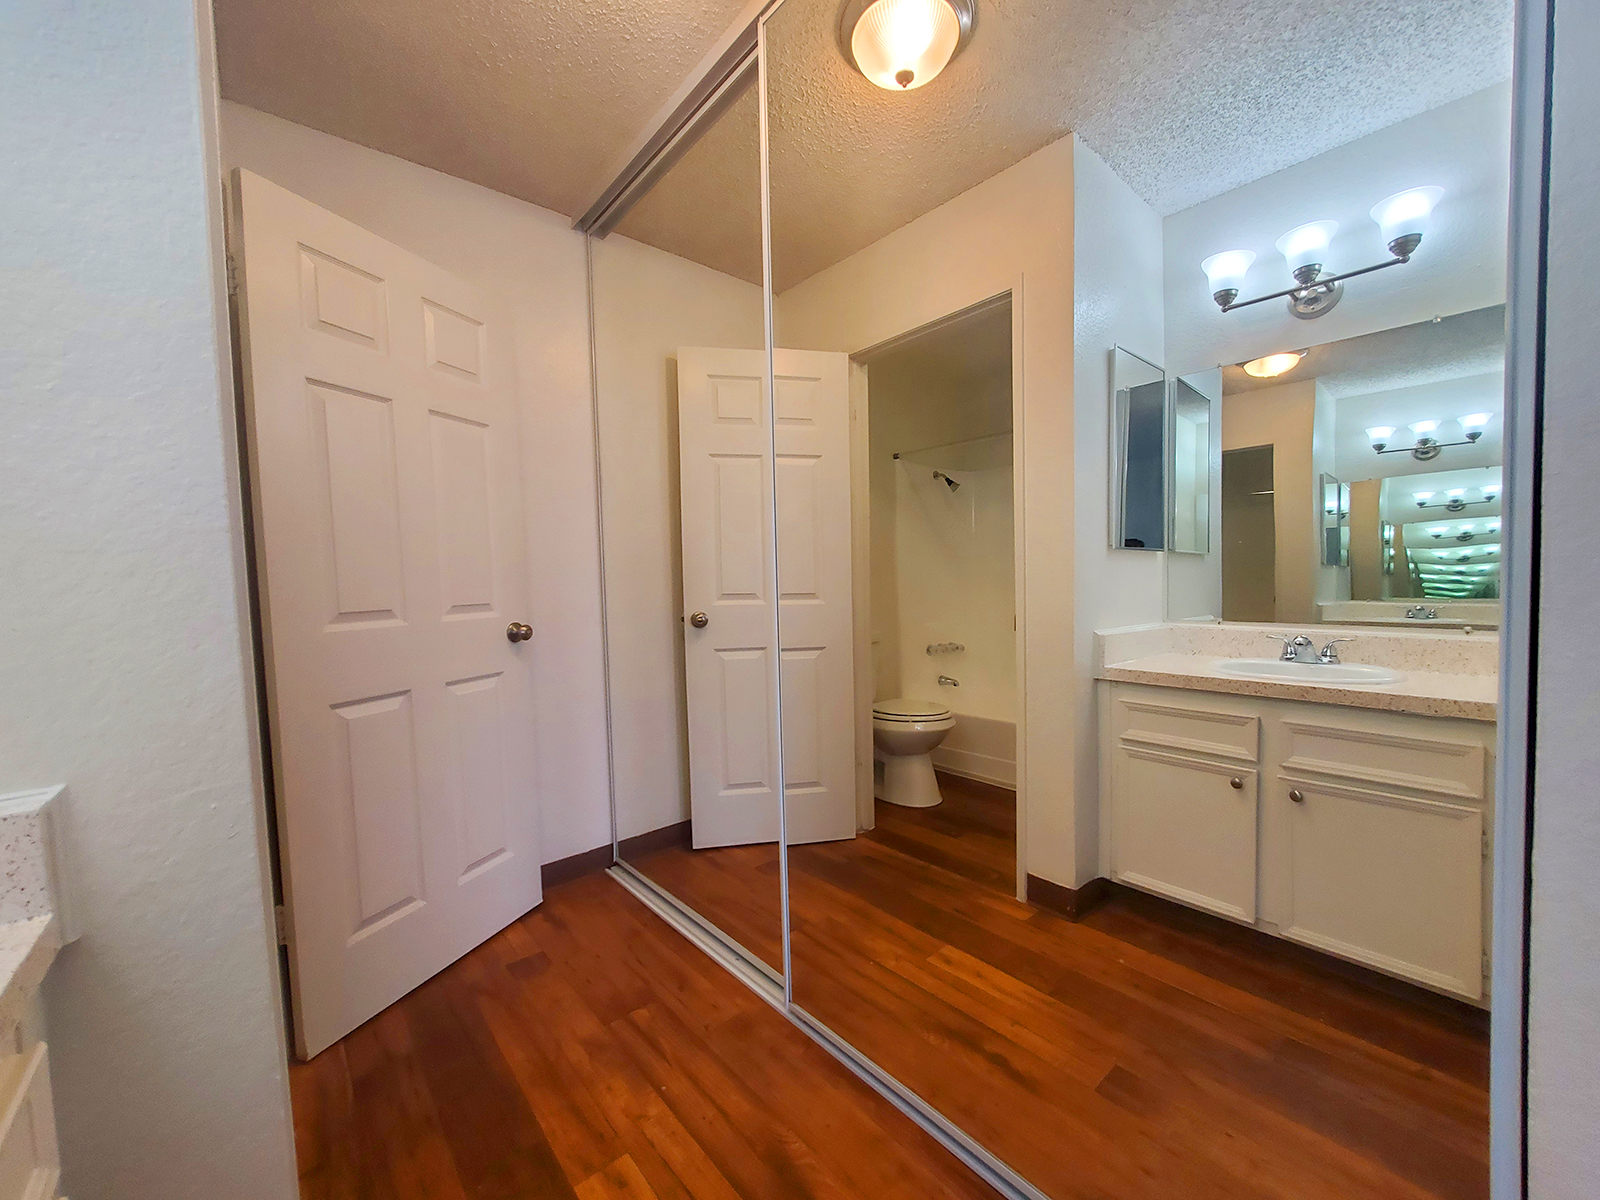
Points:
x=1426 y=693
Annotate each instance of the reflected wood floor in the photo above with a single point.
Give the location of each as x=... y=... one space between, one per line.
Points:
x=589 y=1051
x=1144 y=1051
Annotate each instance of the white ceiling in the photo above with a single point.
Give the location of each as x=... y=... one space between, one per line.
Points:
x=539 y=99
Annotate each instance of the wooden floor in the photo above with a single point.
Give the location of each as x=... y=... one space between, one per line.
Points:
x=1142 y=1052
x=590 y=1051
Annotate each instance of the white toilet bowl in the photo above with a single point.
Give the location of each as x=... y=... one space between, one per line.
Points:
x=905 y=733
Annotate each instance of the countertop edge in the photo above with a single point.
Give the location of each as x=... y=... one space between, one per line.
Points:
x=1429 y=706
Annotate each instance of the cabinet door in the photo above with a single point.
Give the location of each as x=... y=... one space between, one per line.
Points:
x=1186 y=829
x=1390 y=881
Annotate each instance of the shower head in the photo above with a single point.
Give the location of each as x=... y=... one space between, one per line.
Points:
x=948 y=482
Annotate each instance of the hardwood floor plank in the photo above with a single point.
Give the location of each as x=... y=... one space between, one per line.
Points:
x=620 y=1180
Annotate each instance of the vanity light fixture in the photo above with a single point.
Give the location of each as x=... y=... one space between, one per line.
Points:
x=1455 y=499
x=1273 y=365
x=1402 y=219
x=902 y=44
x=1427 y=447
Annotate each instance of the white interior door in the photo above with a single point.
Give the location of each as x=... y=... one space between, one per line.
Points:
x=727 y=486
x=382 y=434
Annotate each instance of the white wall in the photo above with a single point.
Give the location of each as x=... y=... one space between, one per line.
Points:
x=647 y=304
x=1564 y=950
x=1011 y=232
x=124 y=667
x=1117 y=301
x=532 y=259
x=1462 y=147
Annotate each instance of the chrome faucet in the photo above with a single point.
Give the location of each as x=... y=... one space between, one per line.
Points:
x=1299 y=648
x=946 y=681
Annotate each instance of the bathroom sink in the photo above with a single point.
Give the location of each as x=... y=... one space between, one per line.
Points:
x=1332 y=674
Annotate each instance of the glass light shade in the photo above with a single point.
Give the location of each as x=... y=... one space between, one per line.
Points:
x=1422 y=497
x=1439 y=530
x=1423 y=428
x=1456 y=492
x=1493 y=526
x=1406 y=213
x=1380 y=434
x=1227 y=270
x=1475 y=420
x=1491 y=489
x=1273 y=364
x=1307 y=244
x=902 y=44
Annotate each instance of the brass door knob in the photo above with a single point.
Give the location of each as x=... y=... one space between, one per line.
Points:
x=699 y=620
x=1297 y=795
x=518 y=632
x=1236 y=783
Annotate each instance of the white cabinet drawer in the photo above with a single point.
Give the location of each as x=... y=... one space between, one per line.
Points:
x=1185 y=728
x=1389 y=881
x=1400 y=756
x=1186 y=829
x=29 y=1164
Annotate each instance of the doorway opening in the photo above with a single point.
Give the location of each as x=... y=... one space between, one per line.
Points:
x=1249 y=536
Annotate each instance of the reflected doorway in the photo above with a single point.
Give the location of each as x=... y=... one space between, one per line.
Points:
x=1249 y=536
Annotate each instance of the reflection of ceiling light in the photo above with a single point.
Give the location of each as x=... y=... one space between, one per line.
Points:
x=1427 y=447
x=902 y=44
x=1274 y=364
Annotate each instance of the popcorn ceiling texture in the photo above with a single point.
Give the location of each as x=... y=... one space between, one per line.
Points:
x=535 y=99
x=1183 y=100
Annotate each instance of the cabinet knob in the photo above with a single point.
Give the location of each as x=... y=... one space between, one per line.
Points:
x=1236 y=783
x=1297 y=795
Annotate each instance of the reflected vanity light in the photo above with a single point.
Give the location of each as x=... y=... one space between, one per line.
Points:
x=1273 y=365
x=902 y=44
x=1427 y=446
x=1402 y=219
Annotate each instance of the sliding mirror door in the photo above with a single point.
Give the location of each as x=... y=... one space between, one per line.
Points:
x=1134 y=932
x=686 y=486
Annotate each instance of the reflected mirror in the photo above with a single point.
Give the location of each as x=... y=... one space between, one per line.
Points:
x=1139 y=466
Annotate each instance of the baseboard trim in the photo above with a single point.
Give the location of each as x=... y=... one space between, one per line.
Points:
x=575 y=866
x=986 y=788
x=678 y=834
x=1071 y=903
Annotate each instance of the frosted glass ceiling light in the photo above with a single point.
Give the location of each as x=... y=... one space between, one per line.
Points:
x=1379 y=435
x=1226 y=272
x=1274 y=364
x=1423 y=428
x=1475 y=424
x=1403 y=218
x=902 y=44
x=1422 y=498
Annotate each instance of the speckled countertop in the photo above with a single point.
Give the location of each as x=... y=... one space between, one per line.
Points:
x=35 y=917
x=27 y=948
x=1427 y=693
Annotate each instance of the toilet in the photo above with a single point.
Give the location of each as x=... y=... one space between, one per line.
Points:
x=905 y=733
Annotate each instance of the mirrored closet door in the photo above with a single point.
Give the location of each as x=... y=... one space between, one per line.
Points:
x=685 y=435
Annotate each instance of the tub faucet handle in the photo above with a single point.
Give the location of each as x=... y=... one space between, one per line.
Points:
x=946 y=681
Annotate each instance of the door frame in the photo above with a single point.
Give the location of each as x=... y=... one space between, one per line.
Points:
x=860 y=540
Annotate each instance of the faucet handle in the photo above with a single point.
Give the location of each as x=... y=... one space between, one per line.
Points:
x=1289 y=641
x=1330 y=652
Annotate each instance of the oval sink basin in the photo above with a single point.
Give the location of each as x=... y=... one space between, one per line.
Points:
x=1330 y=674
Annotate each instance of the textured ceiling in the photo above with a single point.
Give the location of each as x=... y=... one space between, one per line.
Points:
x=1183 y=100
x=538 y=99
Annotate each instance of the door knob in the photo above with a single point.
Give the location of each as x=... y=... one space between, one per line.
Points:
x=1236 y=783
x=518 y=632
x=699 y=620
x=1297 y=795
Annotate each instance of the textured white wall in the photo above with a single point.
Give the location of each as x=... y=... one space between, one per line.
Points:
x=1116 y=301
x=1564 y=971
x=647 y=303
x=1012 y=231
x=1463 y=147
x=123 y=659
x=532 y=259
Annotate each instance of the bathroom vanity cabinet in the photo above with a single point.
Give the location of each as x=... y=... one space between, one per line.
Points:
x=1359 y=832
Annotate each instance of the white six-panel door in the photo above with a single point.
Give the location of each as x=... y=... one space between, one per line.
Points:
x=382 y=436
x=727 y=485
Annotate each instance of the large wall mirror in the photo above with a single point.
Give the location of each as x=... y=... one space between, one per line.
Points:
x=1004 y=416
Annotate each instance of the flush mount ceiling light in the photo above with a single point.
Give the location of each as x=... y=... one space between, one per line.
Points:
x=902 y=44
x=1274 y=365
x=1402 y=219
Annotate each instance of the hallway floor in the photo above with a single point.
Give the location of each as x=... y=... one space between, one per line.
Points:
x=1142 y=1052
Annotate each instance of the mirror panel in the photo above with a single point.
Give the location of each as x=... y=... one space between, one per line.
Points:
x=686 y=486
x=1139 y=464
